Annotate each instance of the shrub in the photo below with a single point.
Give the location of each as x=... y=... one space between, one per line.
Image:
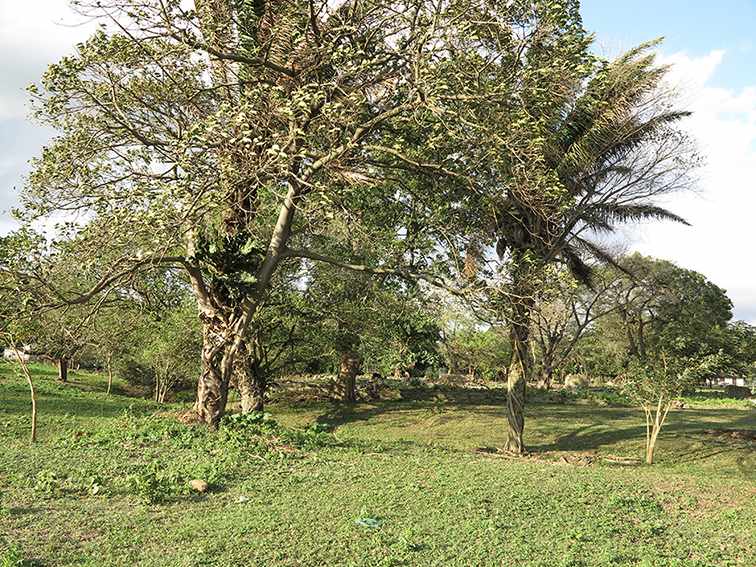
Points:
x=153 y=485
x=135 y=372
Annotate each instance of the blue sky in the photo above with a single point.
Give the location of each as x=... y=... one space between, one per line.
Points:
x=693 y=26
x=712 y=49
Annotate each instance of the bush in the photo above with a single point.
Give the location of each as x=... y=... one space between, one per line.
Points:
x=153 y=484
x=260 y=430
x=135 y=373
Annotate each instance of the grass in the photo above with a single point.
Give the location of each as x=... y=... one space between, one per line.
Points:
x=409 y=482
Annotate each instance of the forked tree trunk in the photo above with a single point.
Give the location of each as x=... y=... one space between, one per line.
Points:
x=655 y=418
x=63 y=369
x=223 y=334
x=348 y=369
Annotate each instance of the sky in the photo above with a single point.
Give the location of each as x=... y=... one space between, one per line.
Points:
x=712 y=48
x=710 y=45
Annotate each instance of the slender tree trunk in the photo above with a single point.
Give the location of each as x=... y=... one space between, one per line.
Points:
x=654 y=422
x=348 y=369
x=632 y=347
x=641 y=341
x=27 y=375
x=548 y=367
x=109 y=363
x=63 y=369
x=548 y=376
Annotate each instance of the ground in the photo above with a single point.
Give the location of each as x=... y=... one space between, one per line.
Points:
x=416 y=481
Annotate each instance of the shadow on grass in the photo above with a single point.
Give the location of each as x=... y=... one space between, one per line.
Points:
x=58 y=399
x=562 y=427
x=605 y=431
x=25 y=511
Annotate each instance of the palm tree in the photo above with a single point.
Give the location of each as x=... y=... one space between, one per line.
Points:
x=608 y=152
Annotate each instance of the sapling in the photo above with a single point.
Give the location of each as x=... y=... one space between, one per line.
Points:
x=655 y=385
x=24 y=371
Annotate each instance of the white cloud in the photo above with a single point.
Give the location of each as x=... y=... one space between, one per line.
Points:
x=32 y=35
x=720 y=244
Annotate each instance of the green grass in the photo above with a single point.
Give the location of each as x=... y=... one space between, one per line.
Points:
x=409 y=482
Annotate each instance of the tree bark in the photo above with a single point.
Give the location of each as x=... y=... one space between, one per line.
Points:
x=252 y=394
x=519 y=371
x=218 y=352
x=251 y=383
x=348 y=369
x=63 y=369
x=548 y=376
x=520 y=367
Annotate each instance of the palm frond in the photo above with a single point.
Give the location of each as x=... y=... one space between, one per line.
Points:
x=610 y=142
x=608 y=213
x=579 y=269
x=600 y=253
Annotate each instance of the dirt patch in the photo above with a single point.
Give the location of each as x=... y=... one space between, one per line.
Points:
x=189 y=417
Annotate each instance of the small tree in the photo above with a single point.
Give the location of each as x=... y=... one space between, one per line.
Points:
x=654 y=386
x=23 y=370
x=171 y=351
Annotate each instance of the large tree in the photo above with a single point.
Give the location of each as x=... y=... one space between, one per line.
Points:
x=212 y=139
x=564 y=311
x=660 y=306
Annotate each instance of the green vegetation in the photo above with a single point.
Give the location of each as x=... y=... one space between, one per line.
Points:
x=415 y=481
x=382 y=222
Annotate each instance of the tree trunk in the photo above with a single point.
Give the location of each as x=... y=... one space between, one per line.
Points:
x=548 y=378
x=63 y=369
x=348 y=369
x=650 y=449
x=110 y=374
x=251 y=383
x=218 y=352
x=654 y=423
x=519 y=370
x=641 y=341
x=252 y=394
x=520 y=367
x=27 y=375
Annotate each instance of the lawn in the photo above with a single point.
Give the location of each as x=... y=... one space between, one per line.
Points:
x=416 y=481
